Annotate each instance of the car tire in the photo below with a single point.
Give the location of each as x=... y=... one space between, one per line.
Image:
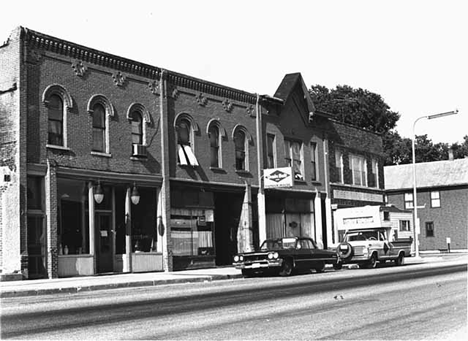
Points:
x=320 y=267
x=372 y=263
x=400 y=260
x=338 y=266
x=287 y=268
x=348 y=254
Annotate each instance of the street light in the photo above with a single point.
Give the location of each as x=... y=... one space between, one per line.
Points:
x=415 y=199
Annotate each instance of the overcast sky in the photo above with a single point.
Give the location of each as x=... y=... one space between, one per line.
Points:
x=412 y=53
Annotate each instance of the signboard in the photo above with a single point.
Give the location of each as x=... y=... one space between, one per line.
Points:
x=278 y=177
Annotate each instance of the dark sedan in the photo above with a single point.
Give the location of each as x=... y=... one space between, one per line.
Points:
x=284 y=256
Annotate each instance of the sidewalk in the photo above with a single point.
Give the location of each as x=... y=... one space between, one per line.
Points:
x=100 y=282
x=112 y=281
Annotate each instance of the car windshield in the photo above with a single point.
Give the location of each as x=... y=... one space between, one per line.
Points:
x=278 y=244
x=271 y=245
x=365 y=235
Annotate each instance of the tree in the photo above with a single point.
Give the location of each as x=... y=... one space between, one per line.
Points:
x=359 y=107
x=397 y=149
x=460 y=150
x=368 y=110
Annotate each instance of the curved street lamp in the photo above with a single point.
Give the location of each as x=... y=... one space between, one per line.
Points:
x=416 y=227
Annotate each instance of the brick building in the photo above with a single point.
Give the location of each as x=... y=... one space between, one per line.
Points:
x=356 y=168
x=111 y=165
x=442 y=199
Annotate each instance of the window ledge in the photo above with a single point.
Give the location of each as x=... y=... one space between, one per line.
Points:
x=217 y=169
x=53 y=146
x=243 y=172
x=300 y=181
x=101 y=154
x=139 y=158
x=356 y=186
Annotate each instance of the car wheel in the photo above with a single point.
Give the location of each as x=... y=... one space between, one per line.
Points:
x=338 y=266
x=400 y=260
x=372 y=263
x=320 y=267
x=287 y=268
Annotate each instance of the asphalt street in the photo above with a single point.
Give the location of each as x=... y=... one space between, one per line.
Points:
x=425 y=301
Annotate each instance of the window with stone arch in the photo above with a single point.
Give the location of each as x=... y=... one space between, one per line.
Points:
x=185 y=128
x=137 y=127
x=138 y=116
x=241 y=139
x=215 y=134
x=58 y=102
x=101 y=110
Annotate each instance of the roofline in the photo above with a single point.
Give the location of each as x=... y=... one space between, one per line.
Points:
x=426 y=188
x=73 y=50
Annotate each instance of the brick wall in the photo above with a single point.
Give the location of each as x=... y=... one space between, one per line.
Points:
x=240 y=113
x=10 y=217
x=52 y=69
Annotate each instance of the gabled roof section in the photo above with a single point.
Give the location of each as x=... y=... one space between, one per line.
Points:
x=428 y=174
x=287 y=87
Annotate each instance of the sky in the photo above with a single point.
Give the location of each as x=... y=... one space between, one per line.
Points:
x=412 y=53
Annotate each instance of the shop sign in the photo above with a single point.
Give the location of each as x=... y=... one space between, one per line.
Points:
x=278 y=177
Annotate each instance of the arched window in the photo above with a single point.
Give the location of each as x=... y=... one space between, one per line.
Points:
x=58 y=102
x=213 y=134
x=99 y=128
x=56 y=115
x=137 y=127
x=240 y=142
x=184 y=131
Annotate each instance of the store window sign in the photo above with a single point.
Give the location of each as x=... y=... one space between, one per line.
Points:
x=278 y=177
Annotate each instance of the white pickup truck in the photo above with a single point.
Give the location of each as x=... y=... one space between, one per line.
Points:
x=369 y=246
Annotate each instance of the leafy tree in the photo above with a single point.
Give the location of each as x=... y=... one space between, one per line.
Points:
x=368 y=110
x=397 y=149
x=460 y=150
x=359 y=107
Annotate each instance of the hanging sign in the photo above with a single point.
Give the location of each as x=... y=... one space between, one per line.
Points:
x=278 y=177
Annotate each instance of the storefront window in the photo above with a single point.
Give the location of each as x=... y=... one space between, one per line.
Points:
x=192 y=235
x=73 y=235
x=192 y=228
x=143 y=221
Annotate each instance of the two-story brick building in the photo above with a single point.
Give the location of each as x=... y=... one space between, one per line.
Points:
x=111 y=165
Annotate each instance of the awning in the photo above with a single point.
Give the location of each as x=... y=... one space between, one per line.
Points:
x=186 y=156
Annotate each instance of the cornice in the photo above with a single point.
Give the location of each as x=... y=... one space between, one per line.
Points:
x=79 y=53
x=210 y=88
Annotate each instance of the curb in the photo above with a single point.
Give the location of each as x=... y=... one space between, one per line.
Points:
x=96 y=287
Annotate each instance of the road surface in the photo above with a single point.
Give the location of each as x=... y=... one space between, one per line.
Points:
x=413 y=302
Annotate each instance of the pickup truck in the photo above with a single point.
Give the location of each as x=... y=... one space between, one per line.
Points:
x=368 y=247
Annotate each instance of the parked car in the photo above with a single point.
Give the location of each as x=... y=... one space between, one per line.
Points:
x=284 y=256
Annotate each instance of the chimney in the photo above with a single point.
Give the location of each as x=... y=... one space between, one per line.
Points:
x=450 y=154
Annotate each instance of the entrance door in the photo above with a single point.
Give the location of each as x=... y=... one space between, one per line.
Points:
x=228 y=208
x=36 y=247
x=104 y=243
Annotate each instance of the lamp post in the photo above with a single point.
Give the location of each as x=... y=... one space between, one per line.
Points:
x=416 y=227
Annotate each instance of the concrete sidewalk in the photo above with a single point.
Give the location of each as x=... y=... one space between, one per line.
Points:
x=112 y=281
